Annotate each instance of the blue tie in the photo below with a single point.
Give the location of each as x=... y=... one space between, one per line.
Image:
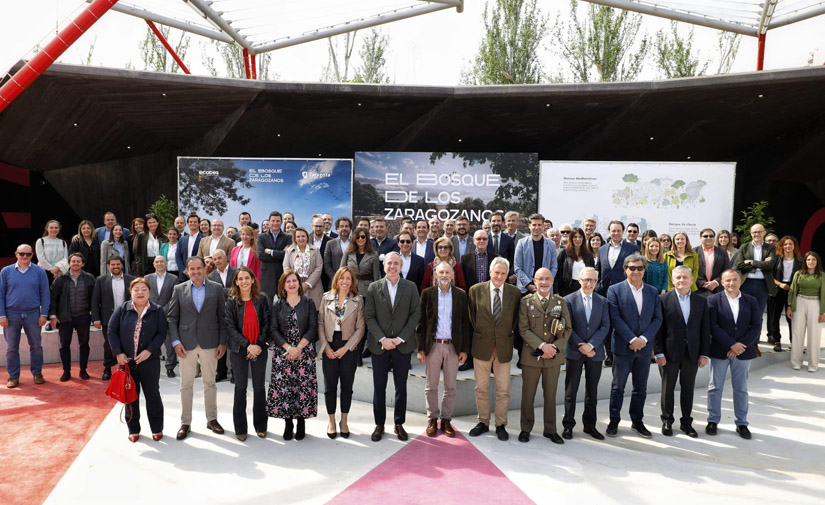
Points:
x=587 y=308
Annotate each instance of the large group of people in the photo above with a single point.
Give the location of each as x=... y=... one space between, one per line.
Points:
x=197 y=295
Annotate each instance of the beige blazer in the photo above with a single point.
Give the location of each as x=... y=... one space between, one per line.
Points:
x=224 y=243
x=316 y=268
x=352 y=324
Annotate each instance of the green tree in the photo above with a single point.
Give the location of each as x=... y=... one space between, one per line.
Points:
x=373 y=58
x=155 y=57
x=232 y=57
x=166 y=211
x=365 y=200
x=675 y=55
x=603 y=47
x=509 y=51
x=209 y=193
x=756 y=213
x=340 y=53
x=727 y=45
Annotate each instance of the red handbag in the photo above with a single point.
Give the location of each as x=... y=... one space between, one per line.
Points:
x=122 y=386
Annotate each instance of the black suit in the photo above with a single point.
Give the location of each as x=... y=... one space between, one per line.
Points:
x=103 y=305
x=721 y=262
x=272 y=264
x=389 y=244
x=416 y=272
x=325 y=280
x=681 y=345
x=506 y=248
x=468 y=266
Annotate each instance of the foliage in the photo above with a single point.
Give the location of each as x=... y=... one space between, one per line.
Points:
x=232 y=56
x=373 y=58
x=630 y=178
x=209 y=193
x=509 y=51
x=340 y=52
x=756 y=213
x=727 y=45
x=603 y=47
x=166 y=210
x=87 y=60
x=155 y=57
x=675 y=55
x=365 y=200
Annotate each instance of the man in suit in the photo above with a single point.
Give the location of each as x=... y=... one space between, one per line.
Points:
x=682 y=347
x=443 y=335
x=215 y=241
x=532 y=253
x=493 y=314
x=712 y=262
x=160 y=292
x=412 y=265
x=337 y=247
x=513 y=221
x=462 y=241
x=391 y=310
x=476 y=268
x=632 y=234
x=635 y=316
x=423 y=244
x=501 y=243
x=244 y=219
x=611 y=258
x=270 y=251
x=105 y=232
x=188 y=244
x=754 y=262
x=319 y=239
x=380 y=241
x=197 y=327
x=224 y=275
x=110 y=291
x=544 y=324
x=735 y=325
x=328 y=226
x=590 y=320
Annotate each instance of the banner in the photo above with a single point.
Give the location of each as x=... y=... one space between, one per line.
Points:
x=225 y=187
x=444 y=185
x=665 y=197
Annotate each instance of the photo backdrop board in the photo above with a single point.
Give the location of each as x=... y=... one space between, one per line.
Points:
x=446 y=185
x=664 y=196
x=225 y=187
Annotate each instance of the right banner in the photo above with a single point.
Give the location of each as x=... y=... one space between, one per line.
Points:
x=663 y=196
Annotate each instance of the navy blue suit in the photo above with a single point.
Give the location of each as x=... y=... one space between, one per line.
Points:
x=724 y=332
x=101 y=234
x=592 y=331
x=416 y=272
x=182 y=253
x=610 y=276
x=389 y=244
x=506 y=247
x=628 y=324
x=429 y=254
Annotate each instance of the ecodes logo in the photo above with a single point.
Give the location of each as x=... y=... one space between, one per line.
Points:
x=207 y=172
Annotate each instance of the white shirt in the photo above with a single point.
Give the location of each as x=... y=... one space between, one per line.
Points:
x=213 y=244
x=421 y=248
x=160 y=278
x=638 y=295
x=493 y=296
x=578 y=266
x=406 y=262
x=317 y=242
x=734 y=305
x=171 y=262
x=344 y=246
x=192 y=250
x=152 y=246
x=393 y=289
x=118 y=290
x=757 y=256
x=613 y=252
x=223 y=275
x=787 y=270
x=243 y=256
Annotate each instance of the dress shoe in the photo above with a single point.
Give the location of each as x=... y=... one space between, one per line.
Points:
x=84 y=375
x=447 y=428
x=777 y=347
x=479 y=429
x=65 y=377
x=502 y=434
x=641 y=430
x=688 y=429
x=518 y=364
x=771 y=340
x=133 y=437
x=608 y=362
x=288 y=427
x=401 y=432
x=107 y=374
x=332 y=434
x=300 y=429
x=524 y=437
x=554 y=437
x=220 y=377
x=344 y=434
x=612 y=429
x=667 y=429
x=157 y=436
x=432 y=427
x=744 y=432
x=261 y=434
x=467 y=365
x=567 y=433
x=593 y=432
x=171 y=374
x=711 y=429
x=232 y=379
x=12 y=382
x=241 y=436
x=377 y=433
x=215 y=426
x=183 y=431
x=38 y=378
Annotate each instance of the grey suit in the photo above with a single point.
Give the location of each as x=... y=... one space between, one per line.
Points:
x=103 y=305
x=471 y=247
x=230 y=276
x=162 y=299
x=332 y=257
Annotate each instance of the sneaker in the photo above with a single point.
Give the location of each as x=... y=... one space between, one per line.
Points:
x=612 y=429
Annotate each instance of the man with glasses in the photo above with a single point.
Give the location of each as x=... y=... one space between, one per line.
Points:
x=24 y=304
x=590 y=321
x=636 y=316
x=476 y=265
x=412 y=265
x=633 y=234
x=462 y=241
x=754 y=262
x=712 y=262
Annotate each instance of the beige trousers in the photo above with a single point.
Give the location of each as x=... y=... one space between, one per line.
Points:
x=441 y=357
x=806 y=320
x=501 y=372
x=188 y=371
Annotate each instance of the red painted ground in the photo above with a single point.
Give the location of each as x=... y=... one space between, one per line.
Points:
x=437 y=470
x=44 y=427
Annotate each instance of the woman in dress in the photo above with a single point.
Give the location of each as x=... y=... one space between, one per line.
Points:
x=52 y=251
x=116 y=245
x=806 y=308
x=681 y=254
x=572 y=260
x=341 y=327
x=305 y=259
x=293 y=387
x=443 y=248
x=362 y=258
x=723 y=241
x=87 y=245
x=169 y=250
x=137 y=331
x=148 y=245
x=656 y=271
x=248 y=316
x=244 y=255
x=788 y=262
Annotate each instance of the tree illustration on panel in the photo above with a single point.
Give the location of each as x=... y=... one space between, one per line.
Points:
x=208 y=194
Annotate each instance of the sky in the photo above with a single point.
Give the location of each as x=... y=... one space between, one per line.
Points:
x=432 y=49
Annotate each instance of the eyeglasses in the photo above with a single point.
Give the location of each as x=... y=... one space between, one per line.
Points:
x=566 y=232
x=636 y=269
x=587 y=281
x=708 y=236
x=24 y=254
x=482 y=239
x=405 y=241
x=442 y=247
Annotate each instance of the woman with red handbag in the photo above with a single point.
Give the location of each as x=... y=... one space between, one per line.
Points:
x=137 y=330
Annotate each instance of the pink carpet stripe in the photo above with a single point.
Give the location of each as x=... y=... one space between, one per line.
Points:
x=437 y=470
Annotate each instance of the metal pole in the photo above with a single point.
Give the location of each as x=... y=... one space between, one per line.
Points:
x=760 y=57
x=253 y=59
x=23 y=78
x=167 y=46
x=246 y=62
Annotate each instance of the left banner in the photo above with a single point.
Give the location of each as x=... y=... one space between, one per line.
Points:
x=225 y=187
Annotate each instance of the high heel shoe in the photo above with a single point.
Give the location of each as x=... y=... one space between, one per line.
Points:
x=344 y=434
x=332 y=434
x=300 y=430
x=157 y=436
x=288 y=429
x=133 y=437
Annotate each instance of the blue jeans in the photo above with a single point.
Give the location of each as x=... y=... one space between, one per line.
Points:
x=638 y=364
x=739 y=369
x=27 y=321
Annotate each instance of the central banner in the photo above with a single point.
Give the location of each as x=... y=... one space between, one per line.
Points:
x=444 y=185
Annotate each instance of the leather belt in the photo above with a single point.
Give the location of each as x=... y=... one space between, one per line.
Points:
x=443 y=341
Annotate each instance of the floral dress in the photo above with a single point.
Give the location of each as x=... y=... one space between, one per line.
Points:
x=293 y=387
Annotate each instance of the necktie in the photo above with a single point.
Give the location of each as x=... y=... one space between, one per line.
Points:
x=544 y=302
x=496 y=305
x=587 y=308
x=495 y=243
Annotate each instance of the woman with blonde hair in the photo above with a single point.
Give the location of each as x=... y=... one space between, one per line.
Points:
x=244 y=255
x=681 y=254
x=305 y=260
x=443 y=248
x=723 y=241
x=656 y=272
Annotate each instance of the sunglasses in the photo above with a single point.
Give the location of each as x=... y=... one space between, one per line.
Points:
x=636 y=269
x=24 y=254
x=443 y=247
x=566 y=232
x=708 y=236
x=360 y=237
x=405 y=241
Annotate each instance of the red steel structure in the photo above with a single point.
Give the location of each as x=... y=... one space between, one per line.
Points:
x=168 y=47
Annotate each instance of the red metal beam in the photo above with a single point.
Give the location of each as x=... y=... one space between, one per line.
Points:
x=168 y=47
x=253 y=59
x=23 y=78
x=760 y=57
x=246 y=62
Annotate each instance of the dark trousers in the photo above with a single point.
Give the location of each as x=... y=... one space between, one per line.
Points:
x=108 y=358
x=758 y=289
x=592 y=373
x=637 y=363
x=380 y=373
x=608 y=351
x=776 y=309
x=221 y=370
x=336 y=370
x=240 y=370
x=145 y=376
x=81 y=325
x=685 y=372
x=171 y=355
